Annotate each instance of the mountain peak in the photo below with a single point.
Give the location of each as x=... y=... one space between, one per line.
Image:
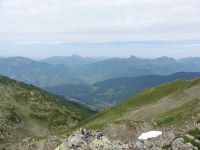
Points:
x=165 y=58
x=76 y=56
x=133 y=57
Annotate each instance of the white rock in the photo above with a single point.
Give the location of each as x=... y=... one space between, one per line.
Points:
x=149 y=135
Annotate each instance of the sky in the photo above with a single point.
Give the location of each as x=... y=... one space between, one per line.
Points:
x=146 y=28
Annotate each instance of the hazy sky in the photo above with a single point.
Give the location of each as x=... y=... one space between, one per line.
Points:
x=35 y=27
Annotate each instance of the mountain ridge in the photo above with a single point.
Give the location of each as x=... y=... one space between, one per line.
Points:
x=46 y=75
x=71 y=61
x=34 y=72
x=134 y=66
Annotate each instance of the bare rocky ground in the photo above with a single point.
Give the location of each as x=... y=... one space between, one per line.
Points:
x=84 y=139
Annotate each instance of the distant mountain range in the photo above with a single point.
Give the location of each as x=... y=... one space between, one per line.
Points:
x=107 y=93
x=77 y=70
x=71 y=61
x=133 y=66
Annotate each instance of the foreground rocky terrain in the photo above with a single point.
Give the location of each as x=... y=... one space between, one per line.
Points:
x=84 y=139
x=95 y=140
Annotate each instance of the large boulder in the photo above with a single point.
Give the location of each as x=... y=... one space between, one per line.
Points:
x=157 y=142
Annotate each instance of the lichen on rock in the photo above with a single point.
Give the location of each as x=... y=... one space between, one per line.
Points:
x=92 y=140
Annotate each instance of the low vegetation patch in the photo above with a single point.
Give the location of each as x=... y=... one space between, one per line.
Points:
x=178 y=114
x=39 y=117
x=13 y=117
x=170 y=120
x=195 y=133
x=193 y=142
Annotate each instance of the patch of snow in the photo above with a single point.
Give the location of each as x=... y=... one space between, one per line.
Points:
x=149 y=135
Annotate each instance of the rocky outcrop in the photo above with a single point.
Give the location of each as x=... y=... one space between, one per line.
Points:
x=159 y=142
x=85 y=139
x=95 y=140
x=92 y=140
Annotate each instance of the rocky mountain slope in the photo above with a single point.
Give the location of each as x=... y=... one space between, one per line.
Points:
x=96 y=140
x=27 y=111
x=110 y=92
x=172 y=109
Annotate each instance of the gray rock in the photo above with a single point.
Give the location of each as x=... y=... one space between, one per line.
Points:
x=165 y=139
x=92 y=140
x=139 y=145
x=190 y=137
x=179 y=144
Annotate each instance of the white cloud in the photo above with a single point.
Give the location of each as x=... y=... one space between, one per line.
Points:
x=98 y=20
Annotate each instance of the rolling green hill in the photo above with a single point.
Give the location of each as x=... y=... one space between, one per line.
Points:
x=27 y=111
x=171 y=104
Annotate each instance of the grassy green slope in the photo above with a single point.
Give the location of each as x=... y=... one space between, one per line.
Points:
x=168 y=104
x=84 y=110
x=28 y=111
